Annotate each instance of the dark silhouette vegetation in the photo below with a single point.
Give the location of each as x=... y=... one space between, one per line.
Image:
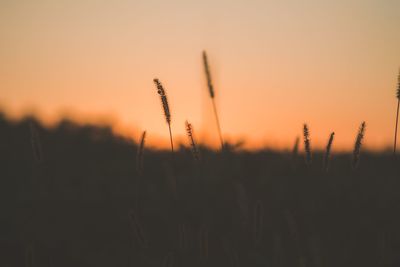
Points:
x=77 y=195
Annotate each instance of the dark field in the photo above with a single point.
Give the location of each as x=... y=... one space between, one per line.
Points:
x=84 y=204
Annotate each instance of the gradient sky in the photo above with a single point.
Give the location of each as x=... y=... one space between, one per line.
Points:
x=275 y=65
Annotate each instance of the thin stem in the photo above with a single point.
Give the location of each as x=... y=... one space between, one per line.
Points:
x=395 y=132
x=218 y=125
x=170 y=137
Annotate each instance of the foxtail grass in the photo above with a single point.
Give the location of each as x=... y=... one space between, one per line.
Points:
x=307 y=144
x=212 y=96
x=167 y=113
x=327 y=155
x=193 y=146
x=397 y=114
x=357 y=146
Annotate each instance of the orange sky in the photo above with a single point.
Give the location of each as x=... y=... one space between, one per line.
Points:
x=275 y=65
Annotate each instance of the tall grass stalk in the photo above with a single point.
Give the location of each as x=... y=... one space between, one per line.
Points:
x=397 y=113
x=212 y=95
x=167 y=113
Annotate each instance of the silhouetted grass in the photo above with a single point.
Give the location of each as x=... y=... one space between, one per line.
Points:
x=327 y=155
x=167 y=113
x=212 y=96
x=307 y=144
x=357 y=145
x=397 y=113
x=193 y=146
x=248 y=208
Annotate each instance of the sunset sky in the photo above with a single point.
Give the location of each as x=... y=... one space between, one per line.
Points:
x=275 y=65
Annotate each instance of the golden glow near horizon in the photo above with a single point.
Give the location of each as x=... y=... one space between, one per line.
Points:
x=275 y=65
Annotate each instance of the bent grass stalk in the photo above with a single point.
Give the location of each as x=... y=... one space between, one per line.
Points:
x=167 y=113
x=212 y=95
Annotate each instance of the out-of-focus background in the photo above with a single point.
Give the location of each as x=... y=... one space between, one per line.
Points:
x=275 y=65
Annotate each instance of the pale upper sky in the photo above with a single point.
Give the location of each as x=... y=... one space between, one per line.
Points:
x=275 y=65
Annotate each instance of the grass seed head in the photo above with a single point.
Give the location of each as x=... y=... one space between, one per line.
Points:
x=208 y=75
x=164 y=100
x=358 y=144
